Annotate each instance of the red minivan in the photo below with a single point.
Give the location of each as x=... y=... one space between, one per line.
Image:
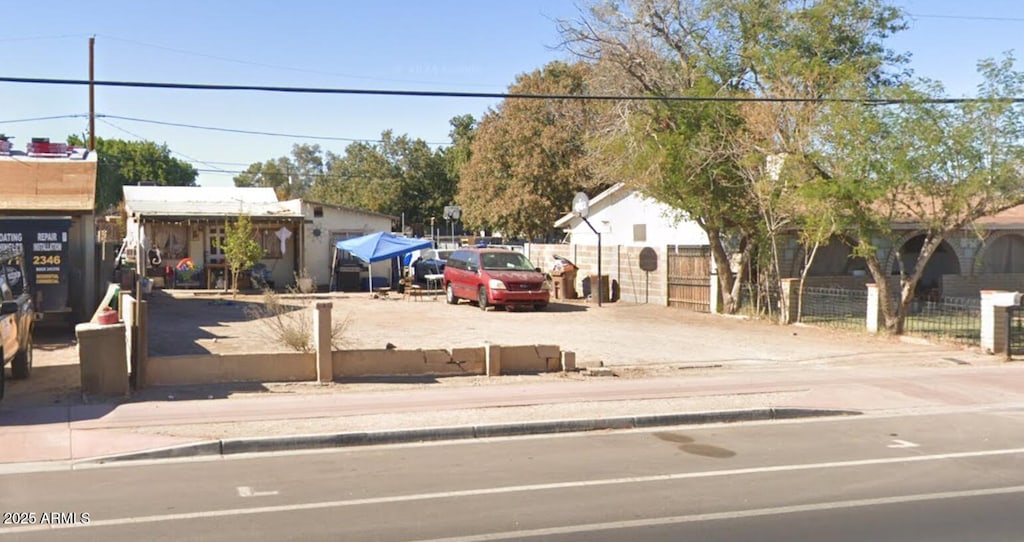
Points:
x=494 y=276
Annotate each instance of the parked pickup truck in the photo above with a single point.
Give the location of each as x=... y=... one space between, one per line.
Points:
x=17 y=314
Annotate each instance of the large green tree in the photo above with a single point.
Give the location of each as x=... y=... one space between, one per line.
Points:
x=711 y=159
x=290 y=176
x=398 y=175
x=123 y=163
x=934 y=167
x=527 y=156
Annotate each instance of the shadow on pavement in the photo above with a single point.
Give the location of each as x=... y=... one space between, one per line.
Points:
x=189 y=393
x=177 y=324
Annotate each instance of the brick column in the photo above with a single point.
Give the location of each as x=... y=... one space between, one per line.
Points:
x=322 y=341
x=995 y=319
x=874 y=316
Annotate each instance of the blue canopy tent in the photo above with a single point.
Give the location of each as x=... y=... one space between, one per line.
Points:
x=377 y=247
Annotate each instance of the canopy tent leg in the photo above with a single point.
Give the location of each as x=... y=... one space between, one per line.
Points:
x=334 y=267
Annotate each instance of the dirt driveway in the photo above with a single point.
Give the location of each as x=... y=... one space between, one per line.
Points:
x=615 y=334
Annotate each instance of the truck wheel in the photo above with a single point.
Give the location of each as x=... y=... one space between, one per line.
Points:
x=21 y=367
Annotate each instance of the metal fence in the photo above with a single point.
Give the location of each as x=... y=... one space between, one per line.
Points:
x=835 y=307
x=758 y=301
x=956 y=319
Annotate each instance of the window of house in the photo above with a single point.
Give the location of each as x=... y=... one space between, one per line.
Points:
x=269 y=242
x=639 y=233
x=318 y=212
x=216 y=248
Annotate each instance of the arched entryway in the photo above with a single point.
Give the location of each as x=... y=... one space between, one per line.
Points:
x=943 y=262
x=1004 y=254
x=835 y=259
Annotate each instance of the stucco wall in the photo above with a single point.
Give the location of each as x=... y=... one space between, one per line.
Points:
x=297 y=367
x=319 y=250
x=359 y=363
x=615 y=218
x=220 y=368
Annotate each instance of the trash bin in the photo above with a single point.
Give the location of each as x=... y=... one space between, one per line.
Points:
x=590 y=285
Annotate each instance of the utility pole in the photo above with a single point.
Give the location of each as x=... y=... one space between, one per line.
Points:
x=92 y=95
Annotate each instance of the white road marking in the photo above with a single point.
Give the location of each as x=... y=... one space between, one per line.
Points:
x=739 y=514
x=899 y=443
x=547 y=487
x=246 y=491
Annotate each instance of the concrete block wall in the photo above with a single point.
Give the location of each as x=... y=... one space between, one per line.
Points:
x=637 y=286
x=619 y=262
x=972 y=285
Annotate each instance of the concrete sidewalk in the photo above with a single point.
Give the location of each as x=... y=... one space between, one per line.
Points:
x=89 y=431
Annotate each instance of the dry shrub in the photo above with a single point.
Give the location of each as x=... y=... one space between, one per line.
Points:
x=292 y=323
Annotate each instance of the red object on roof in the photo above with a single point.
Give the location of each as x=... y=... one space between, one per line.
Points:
x=41 y=147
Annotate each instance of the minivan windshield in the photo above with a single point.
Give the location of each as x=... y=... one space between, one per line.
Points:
x=505 y=261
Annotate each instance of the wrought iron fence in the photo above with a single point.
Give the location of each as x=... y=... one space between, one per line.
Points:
x=836 y=307
x=956 y=319
x=759 y=301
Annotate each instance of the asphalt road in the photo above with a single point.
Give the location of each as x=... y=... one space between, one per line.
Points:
x=939 y=477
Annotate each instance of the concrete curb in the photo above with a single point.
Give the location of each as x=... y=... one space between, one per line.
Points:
x=234 y=446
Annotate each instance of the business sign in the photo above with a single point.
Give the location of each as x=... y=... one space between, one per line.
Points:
x=44 y=242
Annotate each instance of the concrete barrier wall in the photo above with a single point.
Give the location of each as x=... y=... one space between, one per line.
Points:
x=357 y=363
x=297 y=367
x=530 y=359
x=224 y=368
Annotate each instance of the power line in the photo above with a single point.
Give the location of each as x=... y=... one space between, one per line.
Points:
x=279 y=67
x=503 y=95
x=187 y=157
x=251 y=132
x=966 y=17
x=54 y=117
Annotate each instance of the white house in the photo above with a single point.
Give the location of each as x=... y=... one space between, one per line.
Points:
x=625 y=217
x=648 y=252
x=326 y=224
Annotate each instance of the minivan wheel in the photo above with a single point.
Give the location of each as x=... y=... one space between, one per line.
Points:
x=481 y=298
x=449 y=295
x=21 y=367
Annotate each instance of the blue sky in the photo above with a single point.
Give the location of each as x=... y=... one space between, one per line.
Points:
x=440 y=45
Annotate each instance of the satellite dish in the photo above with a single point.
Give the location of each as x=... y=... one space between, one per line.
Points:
x=581 y=205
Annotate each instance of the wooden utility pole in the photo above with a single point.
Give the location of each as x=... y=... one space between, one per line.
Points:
x=92 y=96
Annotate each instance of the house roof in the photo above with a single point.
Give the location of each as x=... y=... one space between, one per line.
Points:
x=597 y=203
x=345 y=208
x=48 y=184
x=205 y=202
